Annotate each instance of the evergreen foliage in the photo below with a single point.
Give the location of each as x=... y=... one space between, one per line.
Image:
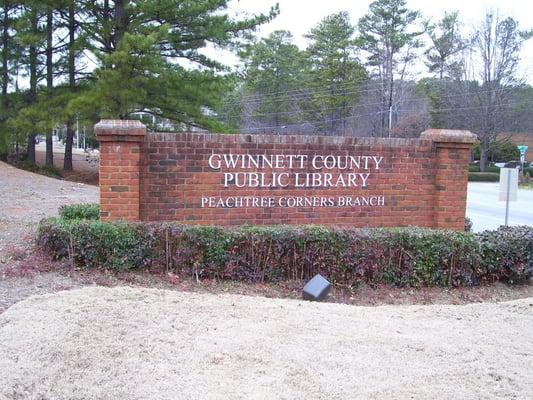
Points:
x=273 y=66
x=334 y=72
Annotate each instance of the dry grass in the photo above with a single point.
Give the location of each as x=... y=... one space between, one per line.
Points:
x=124 y=343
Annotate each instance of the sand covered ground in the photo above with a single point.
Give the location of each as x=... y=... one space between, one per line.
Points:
x=124 y=343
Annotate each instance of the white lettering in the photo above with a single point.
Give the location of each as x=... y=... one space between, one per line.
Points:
x=213 y=161
x=364 y=177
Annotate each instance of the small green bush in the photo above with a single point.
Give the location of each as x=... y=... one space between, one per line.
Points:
x=80 y=211
x=507 y=253
x=483 y=177
x=94 y=244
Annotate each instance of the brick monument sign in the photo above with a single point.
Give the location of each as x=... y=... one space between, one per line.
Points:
x=216 y=179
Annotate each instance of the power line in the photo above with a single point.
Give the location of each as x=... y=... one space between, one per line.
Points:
x=339 y=87
x=311 y=93
x=377 y=113
x=402 y=101
x=287 y=94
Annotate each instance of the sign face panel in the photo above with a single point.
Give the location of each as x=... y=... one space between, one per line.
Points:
x=267 y=180
x=297 y=171
x=522 y=149
x=508 y=184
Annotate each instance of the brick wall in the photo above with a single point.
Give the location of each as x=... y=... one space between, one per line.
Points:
x=167 y=177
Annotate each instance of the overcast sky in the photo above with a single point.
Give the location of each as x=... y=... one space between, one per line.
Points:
x=299 y=16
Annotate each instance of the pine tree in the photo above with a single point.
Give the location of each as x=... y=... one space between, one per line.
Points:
x=10 y=53
x=72 y=12
x=272 y=73
x=387 y=34
x=334 y=73
x=446 y=44
x=152 y=59
x=31 y=36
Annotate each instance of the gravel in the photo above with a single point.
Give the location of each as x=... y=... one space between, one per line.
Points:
x=124 y=343
x=25 y=199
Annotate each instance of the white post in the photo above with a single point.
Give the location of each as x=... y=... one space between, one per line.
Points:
x=390 y=120
x=77 y=133
x=507 y=197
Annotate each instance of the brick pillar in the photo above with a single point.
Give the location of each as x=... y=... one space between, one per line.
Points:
x=120 y=160
x=452 y=149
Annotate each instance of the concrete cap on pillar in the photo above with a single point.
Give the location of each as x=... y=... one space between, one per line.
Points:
x=449 y=136
x=120 y=130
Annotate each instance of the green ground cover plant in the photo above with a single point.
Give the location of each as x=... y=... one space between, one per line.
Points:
x=483 y=177
x=80 y=211
x=348 y=256
x=490 y=168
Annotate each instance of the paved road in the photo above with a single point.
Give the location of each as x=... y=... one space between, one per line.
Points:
x=487 y=212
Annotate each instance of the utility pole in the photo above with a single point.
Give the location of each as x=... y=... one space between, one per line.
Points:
x=390 y=120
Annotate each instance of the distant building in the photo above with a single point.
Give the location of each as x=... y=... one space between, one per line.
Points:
x=518 y=138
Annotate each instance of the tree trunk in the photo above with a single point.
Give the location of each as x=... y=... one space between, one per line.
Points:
x=67 y=163
x=5 y=57
x=30 y=148
x=120 y=21
x=49 y=150
x=484 y=154
x=49 y=82
x=67 y=160
x=32 y=95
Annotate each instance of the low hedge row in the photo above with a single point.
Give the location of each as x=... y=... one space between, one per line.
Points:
x=490 y=168
x=407 y=256
x=483 y=177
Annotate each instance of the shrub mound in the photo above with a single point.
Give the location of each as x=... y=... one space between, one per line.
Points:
x=399 y=256
x=490 y=168
x=80 y=211
x=483 y=177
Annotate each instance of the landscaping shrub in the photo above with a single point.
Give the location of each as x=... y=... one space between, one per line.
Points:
x=91 y=243
x=483 y=177
x=80 y=211
x=489 y=168
x=348 y=256
x=507 y=253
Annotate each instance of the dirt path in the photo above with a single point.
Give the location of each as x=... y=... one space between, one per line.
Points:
x=123 y=343
x=25 y=199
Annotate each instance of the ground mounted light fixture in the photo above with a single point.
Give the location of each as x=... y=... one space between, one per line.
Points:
x=316 y=289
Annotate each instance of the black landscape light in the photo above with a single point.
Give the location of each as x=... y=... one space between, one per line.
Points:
x=316 y=289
